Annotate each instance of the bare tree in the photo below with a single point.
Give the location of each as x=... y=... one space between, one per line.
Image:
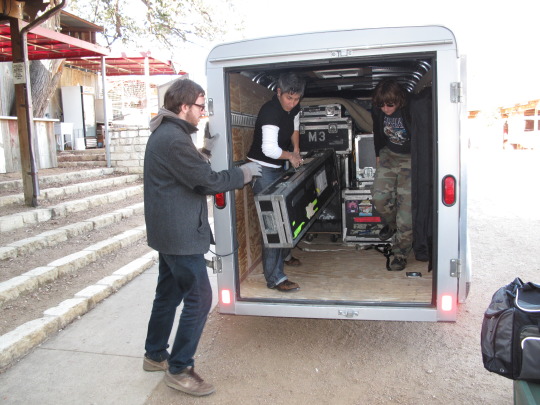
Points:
x=167 y=22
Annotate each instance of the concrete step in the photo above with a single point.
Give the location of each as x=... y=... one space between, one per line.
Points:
x=22 y=219
x=34 y=278
x=20 y=341
x=57 y=192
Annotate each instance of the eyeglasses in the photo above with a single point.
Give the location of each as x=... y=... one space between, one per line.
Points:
x=381 y=105
x=201 y=106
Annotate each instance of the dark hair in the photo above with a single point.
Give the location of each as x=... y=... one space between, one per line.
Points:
x=389 y=92
x=180 y=92
x=291 y=83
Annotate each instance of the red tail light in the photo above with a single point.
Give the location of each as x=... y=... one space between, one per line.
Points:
x=225 y=297
x=449 y=190
x=220 y=201
x=447 y=303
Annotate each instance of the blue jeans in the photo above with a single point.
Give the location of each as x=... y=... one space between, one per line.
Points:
x=272 y=258
x=181 y=278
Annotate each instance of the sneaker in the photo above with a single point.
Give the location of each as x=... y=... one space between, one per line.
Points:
x=152 y=365
x=398 y=264
x=386 y=232
x=286 y=286
x=188 y=381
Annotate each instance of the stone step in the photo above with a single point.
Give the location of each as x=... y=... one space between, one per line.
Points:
x=22 y=219
x=81 y=158
x=20 y=341
x=59 y=178
x=34 y=278
x=91 y=163
x=57 y=192
x=52 y=238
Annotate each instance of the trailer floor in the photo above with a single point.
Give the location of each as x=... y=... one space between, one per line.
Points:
x=336 y=272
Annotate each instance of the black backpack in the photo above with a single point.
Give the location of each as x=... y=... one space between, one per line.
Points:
x=510 y=336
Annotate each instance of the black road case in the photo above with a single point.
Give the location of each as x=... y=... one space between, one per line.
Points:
x=323 y=110
x=326 y=132
x=361 y=223
x=290 y=205
x=366 y=160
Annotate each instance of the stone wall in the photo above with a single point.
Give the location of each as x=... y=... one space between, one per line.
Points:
x=127 y=149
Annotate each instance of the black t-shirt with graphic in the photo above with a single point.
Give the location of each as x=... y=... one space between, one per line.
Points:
x=396 y=137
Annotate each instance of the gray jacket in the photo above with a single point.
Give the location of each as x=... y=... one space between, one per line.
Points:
x=177 y=179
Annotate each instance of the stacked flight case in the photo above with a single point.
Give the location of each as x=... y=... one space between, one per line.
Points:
x=361 y=223
x=323 y=127
x=289 y=206
x=326 y=127
x=350 y=216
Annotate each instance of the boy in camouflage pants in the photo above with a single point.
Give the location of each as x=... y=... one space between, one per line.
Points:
x=392 y=184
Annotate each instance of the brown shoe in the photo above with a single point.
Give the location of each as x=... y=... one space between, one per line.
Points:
x=294 y=262
x=188 y=381
x=286 y=286
x=152 y=365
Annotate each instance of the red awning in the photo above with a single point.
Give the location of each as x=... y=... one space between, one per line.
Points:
x=123 y=64
x=44 y=43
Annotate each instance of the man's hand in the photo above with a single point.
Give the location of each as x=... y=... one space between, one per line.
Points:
x=251 y=169
x=295 y=159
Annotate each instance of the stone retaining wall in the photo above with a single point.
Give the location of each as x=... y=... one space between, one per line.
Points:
x=127 y=148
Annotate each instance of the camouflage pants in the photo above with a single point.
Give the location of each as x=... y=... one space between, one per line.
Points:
x=392 y=197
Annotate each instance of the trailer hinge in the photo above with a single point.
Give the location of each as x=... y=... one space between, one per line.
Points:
x=341 y=53
x=456 y=92
x=214 y=264
x=455 y=268
x=347 y=313
x=210 y=106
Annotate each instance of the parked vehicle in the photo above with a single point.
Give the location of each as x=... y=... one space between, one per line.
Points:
x=343 y=275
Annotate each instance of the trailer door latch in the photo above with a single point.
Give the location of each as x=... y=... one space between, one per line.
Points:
x=348 y=313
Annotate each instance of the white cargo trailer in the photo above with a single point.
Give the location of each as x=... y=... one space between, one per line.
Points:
x=343 y=277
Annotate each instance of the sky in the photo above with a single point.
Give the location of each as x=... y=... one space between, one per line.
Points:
x=498 y=38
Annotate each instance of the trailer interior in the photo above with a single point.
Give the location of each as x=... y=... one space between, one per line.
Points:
x=333 y=271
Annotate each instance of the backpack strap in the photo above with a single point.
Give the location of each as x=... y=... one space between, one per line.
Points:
x=386 y=251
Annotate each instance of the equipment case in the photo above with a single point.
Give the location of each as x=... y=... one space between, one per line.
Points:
x=289 y=206
x=322 y=132
x=361 y=223
x=366 y=160
x=325 y=110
